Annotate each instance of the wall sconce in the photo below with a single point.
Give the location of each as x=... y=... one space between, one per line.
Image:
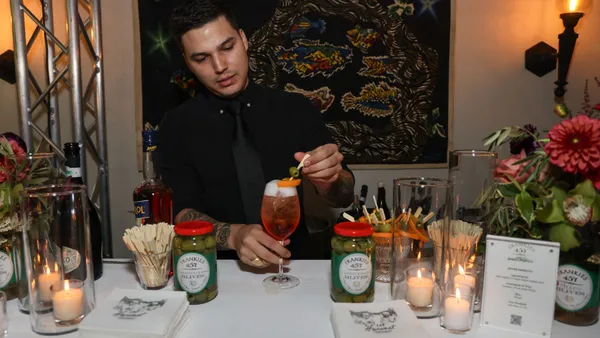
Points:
x=7 y=67
x=541 y=59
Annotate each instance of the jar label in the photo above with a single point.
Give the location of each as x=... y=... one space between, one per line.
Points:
x=355 y=273
x=142 y=209
x=576 y=288
x=194 y=272
x=71 y=259
x=6 y=270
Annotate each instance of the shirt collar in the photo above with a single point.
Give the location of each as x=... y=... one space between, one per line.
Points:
x=246 y=97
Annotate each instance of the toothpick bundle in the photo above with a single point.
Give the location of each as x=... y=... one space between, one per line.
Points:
x=150 y=245
x=463 y=235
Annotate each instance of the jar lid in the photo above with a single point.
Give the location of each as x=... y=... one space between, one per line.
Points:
x=193 y=228
x=353 y=229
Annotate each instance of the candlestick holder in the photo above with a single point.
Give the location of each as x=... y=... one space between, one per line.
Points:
x=457 y=308
x=56 y=238
x=67 y=302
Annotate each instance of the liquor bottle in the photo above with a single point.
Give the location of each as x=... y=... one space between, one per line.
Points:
x=363 y=195
x=72 y=257
x=578 y=288
x=381 y=203
x=355 y=211
x=152 y=199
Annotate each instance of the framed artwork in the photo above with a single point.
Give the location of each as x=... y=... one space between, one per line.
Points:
x=378 y=70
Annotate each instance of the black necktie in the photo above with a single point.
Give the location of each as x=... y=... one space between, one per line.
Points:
x=248 y=166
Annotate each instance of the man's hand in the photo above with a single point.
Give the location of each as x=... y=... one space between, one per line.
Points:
x=323 y=166
x=251 y=242
x=324 y=170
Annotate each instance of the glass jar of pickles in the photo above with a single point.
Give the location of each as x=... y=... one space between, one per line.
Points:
x=195 y=261
x=353 y=263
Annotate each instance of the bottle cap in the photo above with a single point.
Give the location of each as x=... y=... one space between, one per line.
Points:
x=194 y=228
x=380 y=184
x=353 y=229
x=149 y=140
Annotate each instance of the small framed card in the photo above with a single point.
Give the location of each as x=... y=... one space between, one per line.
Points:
x=519 y=285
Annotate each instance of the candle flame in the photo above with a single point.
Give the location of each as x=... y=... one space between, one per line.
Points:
x=46 y=269
x=67 y=286
x=461 y=270
x=419 y=273
x=572 y=5
x=457 y=295
x=419 y=256
x=55 y=266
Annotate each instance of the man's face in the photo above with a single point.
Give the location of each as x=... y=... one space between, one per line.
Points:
x=217 y=54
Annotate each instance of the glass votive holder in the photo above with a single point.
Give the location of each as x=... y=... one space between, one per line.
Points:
x=457 y=308
x=420 y=287
x=3 y=315
x=153 y=269
x=67 y=302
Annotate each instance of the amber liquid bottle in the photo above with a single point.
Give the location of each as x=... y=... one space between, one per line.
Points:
x=152 y=199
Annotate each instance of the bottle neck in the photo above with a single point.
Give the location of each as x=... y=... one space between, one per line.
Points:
x=148 y=166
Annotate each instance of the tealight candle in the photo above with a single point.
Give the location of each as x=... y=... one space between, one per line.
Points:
x=45 y=281
x=419 y=291
x=67 y=300
x=462 y=278
x=457 y=313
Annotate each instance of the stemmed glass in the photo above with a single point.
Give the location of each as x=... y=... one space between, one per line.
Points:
x=280 y=213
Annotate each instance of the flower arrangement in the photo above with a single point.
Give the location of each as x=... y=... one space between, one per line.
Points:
x=549 y=187
x=17 y=171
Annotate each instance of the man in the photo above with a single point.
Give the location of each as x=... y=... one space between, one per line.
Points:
x=220 y=147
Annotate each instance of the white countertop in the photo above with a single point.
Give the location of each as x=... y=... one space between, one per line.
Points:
x=244 y=308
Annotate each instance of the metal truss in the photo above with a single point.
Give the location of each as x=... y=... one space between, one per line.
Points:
x=33 y=95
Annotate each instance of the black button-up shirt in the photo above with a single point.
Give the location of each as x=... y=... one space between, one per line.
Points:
x=197 y=160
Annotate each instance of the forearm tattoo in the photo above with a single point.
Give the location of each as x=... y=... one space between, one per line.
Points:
x=341 y=193
x=222 y=229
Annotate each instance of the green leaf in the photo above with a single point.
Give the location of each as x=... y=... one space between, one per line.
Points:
x=559 y=194
x=531 y=163
x=525 y=205
x=552 y=213
x=483 y=197
x=596 y=209
x=513 y=181
x=505 y=133
x=585 y=189
x=491 y=138
x=566 y=235
x=508 y=190
x=537 y=190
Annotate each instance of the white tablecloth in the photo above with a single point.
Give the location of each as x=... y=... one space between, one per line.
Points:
x=244 y=308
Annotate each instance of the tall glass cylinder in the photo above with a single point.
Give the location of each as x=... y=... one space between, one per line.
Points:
x=422 y=214
x=472 y=173
x=57 y=247
x=41 y=169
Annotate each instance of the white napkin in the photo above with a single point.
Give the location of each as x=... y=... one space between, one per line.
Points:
x=378 y=319
x=137 y=313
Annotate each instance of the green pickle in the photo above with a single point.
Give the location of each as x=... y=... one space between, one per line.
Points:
x=353 y=263
x=195 y=261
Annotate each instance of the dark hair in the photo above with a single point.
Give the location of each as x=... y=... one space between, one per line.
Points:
x=193 y=14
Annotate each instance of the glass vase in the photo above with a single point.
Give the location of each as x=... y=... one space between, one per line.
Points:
x=472 y=173
x=422 y=208
x=57 y=247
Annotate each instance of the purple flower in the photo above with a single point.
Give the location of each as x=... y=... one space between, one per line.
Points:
x=526 y=142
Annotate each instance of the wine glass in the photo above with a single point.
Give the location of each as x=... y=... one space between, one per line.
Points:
x=280 y=213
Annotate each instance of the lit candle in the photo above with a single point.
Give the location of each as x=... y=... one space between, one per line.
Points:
x=45 y=281
x=457 y=313
x=419 y=290
x=462 y=278
x=67 y=303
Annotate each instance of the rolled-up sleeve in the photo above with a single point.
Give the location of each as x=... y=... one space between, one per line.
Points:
x=176 y=169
